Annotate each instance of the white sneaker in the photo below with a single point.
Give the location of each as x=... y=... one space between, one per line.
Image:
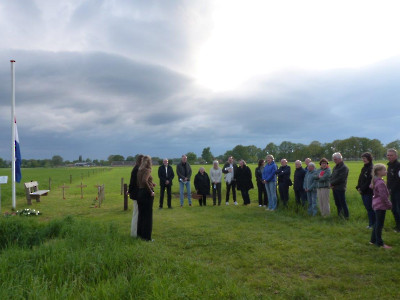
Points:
x=226 y=203
x=267 y=209
x=236 y=203
x=264 y=205
x=260 y=205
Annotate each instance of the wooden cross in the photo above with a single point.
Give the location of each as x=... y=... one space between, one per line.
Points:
x=99 y=188
x=63 y=188
x=81 y=186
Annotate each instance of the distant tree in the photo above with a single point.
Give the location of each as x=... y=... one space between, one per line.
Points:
x=272 y=149
x=130 y=158
x=207 y=155
x=160 y=161
x=191 y=157
x=116 y=157
x=3 y=163
x=80 y=158
x=57 y=160
x=170 y=161
x=395 y=145
x=96 y=162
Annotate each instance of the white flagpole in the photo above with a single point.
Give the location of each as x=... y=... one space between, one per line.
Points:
x=13 y=134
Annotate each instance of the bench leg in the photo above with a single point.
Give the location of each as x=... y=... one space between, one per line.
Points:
x=38 y=199
x=29 y=201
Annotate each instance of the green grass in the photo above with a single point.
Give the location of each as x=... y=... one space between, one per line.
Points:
x=74 y=251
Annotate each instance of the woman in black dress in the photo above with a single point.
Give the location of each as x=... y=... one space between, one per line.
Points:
x=262 y=192
x=202 y=185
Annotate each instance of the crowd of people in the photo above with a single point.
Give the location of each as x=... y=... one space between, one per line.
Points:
x=311 y=186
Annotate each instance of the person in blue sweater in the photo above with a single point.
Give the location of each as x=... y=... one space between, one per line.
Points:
x=269 y=179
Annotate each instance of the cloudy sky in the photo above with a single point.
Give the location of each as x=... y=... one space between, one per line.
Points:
x=101 y=77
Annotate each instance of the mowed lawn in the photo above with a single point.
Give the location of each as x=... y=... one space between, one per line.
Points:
x=76 y=251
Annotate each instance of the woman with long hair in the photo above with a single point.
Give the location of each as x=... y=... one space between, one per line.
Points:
x=145 y=199
x=133 y=191
x=244 y=182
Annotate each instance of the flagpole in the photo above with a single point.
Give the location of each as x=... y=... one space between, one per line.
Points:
x=13 y=134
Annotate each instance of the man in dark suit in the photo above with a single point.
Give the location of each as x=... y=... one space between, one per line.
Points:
x=166 y=174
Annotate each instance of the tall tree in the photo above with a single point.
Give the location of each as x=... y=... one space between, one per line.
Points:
x=207 y=155
x=57 y=160
x=191 y=157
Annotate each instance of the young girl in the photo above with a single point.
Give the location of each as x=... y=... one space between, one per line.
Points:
x=380 y=203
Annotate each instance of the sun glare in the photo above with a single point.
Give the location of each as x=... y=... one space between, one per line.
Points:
x=254 y=38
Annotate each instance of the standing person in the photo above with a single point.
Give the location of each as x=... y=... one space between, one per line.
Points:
x=145 y=199
x=262 y=192
x=230 y=169
x=216 y=178
x=133 y=191
x=363 y=187
x=380 y=203
x=310 y=188
x=269 y=179
x=184 y=172
x=322 y=178
x=202 y=185
x=307 y=161
x=393 y=183
x=166 y=175
x=284 y=181
x=244 y=182
x=338 y=184
x=299 y=174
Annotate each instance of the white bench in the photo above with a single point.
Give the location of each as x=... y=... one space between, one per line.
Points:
x=32 y=191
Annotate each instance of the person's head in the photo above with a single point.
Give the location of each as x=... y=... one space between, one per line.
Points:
x=242 y=163
x=283 y=162
x=139 y=160
x=337 y=157
x=391 y=155
x=261 y=163
x=367 y=157
x=311 y=166
x=297 y=163
x=307 y=161
x=184 y=158
x=323 y=163
x=165 y=162
x=215 y=164
x=146 y=162
x=379 y=170
x=230 y=159
x=202 y=170
x=270 y=158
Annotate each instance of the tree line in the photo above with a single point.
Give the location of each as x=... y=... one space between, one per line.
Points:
x=351 y=149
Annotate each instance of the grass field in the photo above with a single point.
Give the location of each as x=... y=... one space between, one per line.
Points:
x=75 y=251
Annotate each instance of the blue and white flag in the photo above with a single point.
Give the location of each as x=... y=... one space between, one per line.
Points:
x=18 y=174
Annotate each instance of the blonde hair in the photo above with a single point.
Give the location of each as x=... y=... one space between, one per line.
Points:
x=270 y=156
x=375 y=170
x=146 y=163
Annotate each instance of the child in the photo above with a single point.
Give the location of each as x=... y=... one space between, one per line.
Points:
x=380 y=203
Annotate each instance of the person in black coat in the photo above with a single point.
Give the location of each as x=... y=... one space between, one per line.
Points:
x=284 y=181
x=393 y=184
x=363 y=187
x=202 y=185
x=244 y=182
x=230 y=171
x=260 y=185
x=299 y=174
x=133 y=194
x=166 y=175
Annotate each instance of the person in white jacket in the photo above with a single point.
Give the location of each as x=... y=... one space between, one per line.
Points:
x=216 y=178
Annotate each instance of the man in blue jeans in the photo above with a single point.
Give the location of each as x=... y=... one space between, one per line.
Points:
x=269 y=179
x=184 y=172
x=393 y=184
x=338 y=184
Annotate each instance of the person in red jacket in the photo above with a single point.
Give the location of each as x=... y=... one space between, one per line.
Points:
x=380 y=204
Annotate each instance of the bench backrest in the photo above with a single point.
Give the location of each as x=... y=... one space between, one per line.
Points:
x=31 y=186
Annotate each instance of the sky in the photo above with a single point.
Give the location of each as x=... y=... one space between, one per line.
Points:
x=102 y=77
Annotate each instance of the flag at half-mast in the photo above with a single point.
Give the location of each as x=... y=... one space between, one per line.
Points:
x=18 y=174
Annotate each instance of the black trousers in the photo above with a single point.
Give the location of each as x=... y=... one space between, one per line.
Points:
x=395 y=199
x=145 y=218
x=301 y=197
x=262 y=194
x=376 y=236
x=202 y=200
x=217 y=190
x=245 y=196
x=284 y=193
x=228 y=189
x=162 y=191
x=340 y=202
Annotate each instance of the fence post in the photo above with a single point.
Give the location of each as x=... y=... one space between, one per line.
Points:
x=125 y=196
x=70 y=179
x=49 y=183
x=122 y=185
